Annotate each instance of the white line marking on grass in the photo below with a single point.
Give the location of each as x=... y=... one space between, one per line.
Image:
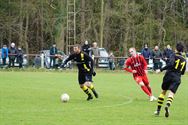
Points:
x=130 y=100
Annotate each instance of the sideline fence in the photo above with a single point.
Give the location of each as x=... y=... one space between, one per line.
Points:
x=44 y=60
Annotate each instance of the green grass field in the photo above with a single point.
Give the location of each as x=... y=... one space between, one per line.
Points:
x=33 y=98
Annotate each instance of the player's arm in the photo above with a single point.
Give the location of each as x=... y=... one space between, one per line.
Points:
x=88 y=58
x=127 y=69
x=68 y=59
x=127 y=65
x=169 y=65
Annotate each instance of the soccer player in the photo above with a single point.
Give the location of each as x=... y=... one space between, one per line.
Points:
x=138 y=66
x=85 y=70
x=172 y=78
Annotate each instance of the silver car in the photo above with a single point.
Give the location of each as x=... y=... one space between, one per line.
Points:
x=103 y=61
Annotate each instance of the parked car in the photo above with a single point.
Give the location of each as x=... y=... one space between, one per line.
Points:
x=150 y=65
x=25 y=61
x=103 y=61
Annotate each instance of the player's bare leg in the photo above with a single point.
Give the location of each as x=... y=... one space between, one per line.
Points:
x=147 y=91
x=152 y=98
x=149 y=88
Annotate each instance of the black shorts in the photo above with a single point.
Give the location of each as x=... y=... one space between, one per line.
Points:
x=84 y=77
x=171 y=81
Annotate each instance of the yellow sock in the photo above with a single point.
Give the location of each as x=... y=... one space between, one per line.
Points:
x=162 y=96
x=85 y=89
x=160 y=101
x=169 y=101
x=91 y=87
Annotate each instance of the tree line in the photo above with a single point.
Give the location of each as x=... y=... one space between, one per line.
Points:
x=113 y=24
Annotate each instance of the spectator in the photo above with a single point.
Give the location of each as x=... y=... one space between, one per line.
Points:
x=156 y=56
x=20 y=57
x=95 y=53
x=111 y=61
x=167 y=53
x=12 y=54
x=86 y=47
x=53 y=55
x=4 y=54
x=146 y=53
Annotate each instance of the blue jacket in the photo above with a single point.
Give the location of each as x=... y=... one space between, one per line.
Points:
x=4 y=52
x=146 y=53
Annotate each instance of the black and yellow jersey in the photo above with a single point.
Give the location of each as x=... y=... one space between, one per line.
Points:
x=83 y=61
x=176 y=64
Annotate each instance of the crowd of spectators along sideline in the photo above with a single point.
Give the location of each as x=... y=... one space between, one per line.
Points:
x=13 y=55
x=155 y=54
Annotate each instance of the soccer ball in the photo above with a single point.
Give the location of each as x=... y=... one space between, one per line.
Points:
x=65 y=97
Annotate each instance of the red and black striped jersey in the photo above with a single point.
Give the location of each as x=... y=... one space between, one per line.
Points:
x=137 y=63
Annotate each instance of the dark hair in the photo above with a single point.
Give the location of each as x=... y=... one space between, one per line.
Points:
x=179 y=47
x=77 y=45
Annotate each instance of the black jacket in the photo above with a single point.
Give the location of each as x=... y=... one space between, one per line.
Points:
x=84 y=62
x=85 y=48
x=167 y=54
x=12 y=53
x=177 y=64
x=19 y=56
